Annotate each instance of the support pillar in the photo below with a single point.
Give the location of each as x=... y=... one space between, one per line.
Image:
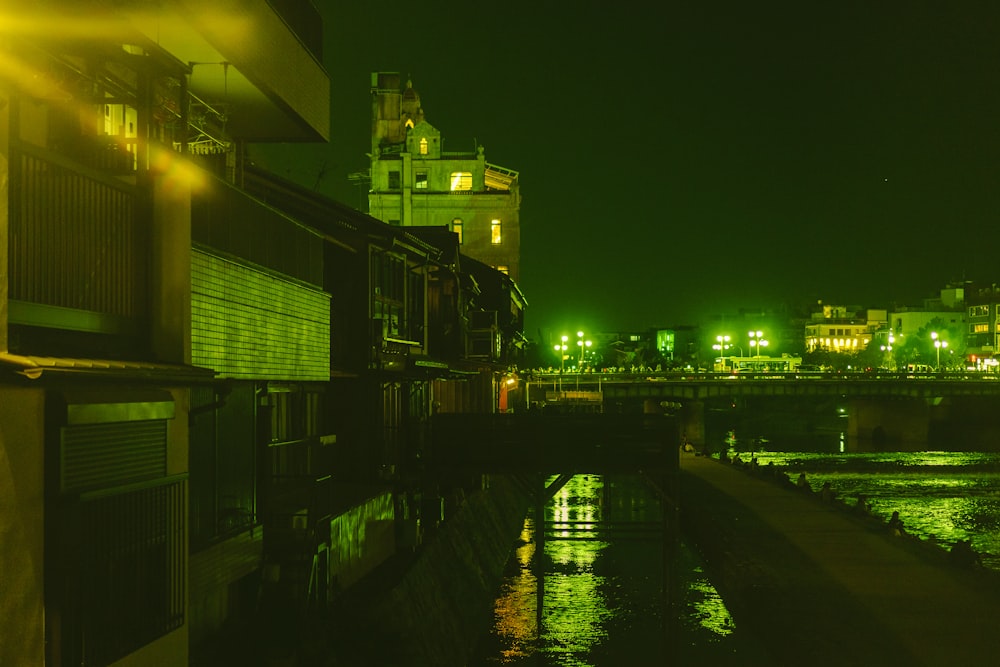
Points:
x=884 y=421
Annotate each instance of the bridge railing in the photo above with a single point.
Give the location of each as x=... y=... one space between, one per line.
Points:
x=567 y=379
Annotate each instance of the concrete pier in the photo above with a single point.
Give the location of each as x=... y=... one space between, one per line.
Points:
x=821 y=586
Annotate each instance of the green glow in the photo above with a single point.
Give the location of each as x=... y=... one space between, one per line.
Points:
x=708 y=607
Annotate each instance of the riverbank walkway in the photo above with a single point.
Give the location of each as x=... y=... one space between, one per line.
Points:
x=816 y=584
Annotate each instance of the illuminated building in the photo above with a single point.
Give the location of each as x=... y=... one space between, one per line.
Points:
x=837 y=330
x=983 y=322
x=416 y=182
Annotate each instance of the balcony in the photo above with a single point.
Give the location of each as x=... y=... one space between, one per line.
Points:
x=241 y=55
x=76 y=247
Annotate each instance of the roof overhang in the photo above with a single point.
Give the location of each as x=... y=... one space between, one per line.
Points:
x=34 y=368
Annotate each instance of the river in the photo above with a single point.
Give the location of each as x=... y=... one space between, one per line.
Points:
x=595 y=595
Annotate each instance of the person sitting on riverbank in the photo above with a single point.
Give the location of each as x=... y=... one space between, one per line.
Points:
x=962 y=555
x=896 y=525
x=826 y=494
x=802 y=484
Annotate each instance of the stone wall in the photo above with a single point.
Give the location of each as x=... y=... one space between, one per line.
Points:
x=442 y=602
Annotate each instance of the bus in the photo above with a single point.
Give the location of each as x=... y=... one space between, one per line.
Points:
x=782 y=364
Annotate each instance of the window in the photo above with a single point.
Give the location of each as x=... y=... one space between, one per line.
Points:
x=423 y=145
x=393 y=180
x=496 y=237
x=461 y=180
x=980 y=327
x=502 y=268
x=979 y=311
x=388 y=281
x=420 y=181
x=456 y=226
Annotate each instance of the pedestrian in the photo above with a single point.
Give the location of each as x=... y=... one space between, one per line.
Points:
x=896 y=525
x=826 y=494
x=802 y=483
x=962 y=555
x=862 y=506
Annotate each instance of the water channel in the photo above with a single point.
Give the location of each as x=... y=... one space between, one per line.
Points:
x=594 y=595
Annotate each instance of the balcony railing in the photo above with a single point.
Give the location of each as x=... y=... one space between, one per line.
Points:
x=76 y=241
x=127 y=582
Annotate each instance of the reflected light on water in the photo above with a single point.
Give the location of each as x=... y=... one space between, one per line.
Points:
x=601 y=593
x=941 y=496
x=707 y=606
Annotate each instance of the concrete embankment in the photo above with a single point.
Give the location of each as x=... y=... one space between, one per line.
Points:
x=431 y=609
x=818 y=585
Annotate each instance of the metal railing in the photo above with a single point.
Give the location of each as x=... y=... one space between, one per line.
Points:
x=129 y=577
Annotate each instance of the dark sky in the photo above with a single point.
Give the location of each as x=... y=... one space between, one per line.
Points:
x=688 y=159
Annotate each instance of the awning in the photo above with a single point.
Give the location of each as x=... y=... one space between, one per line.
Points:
x=34 y=368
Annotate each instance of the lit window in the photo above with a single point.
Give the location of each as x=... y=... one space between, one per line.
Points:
x=456 y=226
x=502 y=268
x=420 y=182
x=495 y=234
x=423 y=145
x=393 y=180
x=461 y=180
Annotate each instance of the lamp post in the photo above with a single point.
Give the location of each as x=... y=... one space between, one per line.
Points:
x=561 y=349
x=938 y=344
x=757 y=341
x=887 y=348
x=722 y=344
x=584 y=345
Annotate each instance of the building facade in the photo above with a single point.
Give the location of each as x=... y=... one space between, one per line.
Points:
x=415 y=182
x=839 y=329
x=207 y=378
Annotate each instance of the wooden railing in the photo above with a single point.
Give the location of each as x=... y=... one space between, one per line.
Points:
x=76 y=241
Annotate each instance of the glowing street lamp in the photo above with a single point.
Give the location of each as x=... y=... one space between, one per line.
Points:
x=722 y=345
x=584 y=345
x=938 y=344
x=561 y=349
x=887 y=348
x=757 y=341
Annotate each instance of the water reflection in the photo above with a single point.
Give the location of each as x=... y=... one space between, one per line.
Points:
x=941 y=496
x=596 y=594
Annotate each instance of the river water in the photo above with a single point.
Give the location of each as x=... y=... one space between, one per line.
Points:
x=593 y=594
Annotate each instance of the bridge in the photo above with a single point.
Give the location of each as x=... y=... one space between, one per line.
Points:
x=894 y=407
x=700 y=386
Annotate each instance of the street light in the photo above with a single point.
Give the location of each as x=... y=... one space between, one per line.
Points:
x=887 y=348
x=584 y=345
x=938 y=344
x=722 y=345
x=561 y=349
x=757 y=341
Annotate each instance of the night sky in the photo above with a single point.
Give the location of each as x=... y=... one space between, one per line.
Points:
x=684 y=161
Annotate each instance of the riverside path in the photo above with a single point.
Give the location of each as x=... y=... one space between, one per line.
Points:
x=819 y=585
